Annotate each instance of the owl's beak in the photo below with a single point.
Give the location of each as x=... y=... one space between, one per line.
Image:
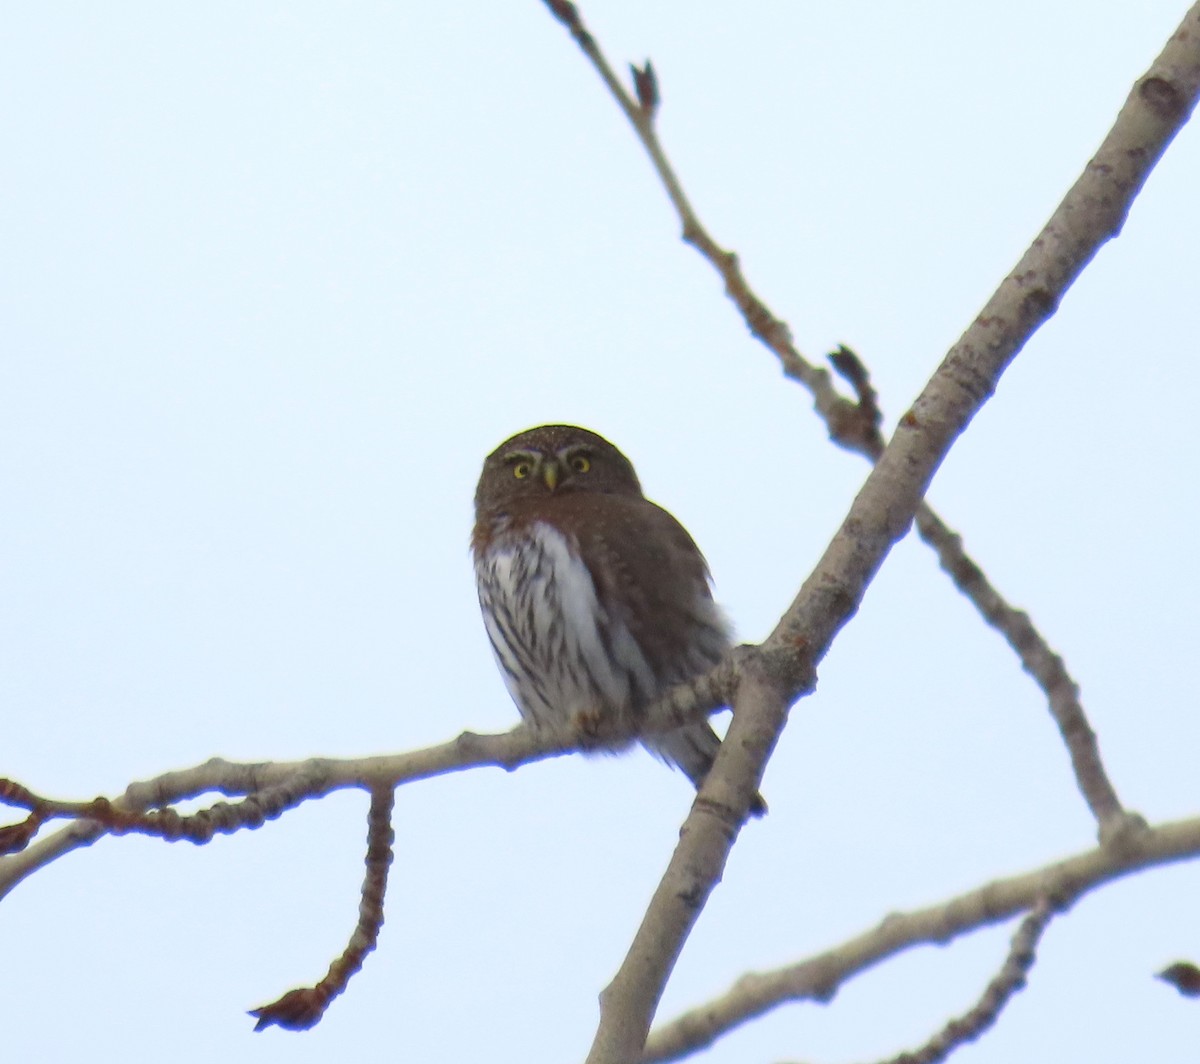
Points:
x=550 y=475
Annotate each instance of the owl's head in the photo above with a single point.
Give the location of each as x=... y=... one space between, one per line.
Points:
x=553 y=460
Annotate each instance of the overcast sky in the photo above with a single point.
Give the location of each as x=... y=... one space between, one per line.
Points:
x=277 y=276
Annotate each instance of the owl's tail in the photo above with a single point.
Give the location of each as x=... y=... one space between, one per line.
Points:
x=693 y=749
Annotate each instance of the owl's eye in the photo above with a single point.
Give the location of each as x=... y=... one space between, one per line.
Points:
x=580 y=464
x=521 y=470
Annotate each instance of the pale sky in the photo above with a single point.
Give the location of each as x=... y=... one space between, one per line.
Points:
x=277 y=276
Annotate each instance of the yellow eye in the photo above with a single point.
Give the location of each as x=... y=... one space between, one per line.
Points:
x=580 y=464
x=521 y=470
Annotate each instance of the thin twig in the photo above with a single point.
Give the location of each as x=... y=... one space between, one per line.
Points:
x=1045 y=666
x=999 y=992
x=837 y=412
x=303 y=1008
x=221 y=818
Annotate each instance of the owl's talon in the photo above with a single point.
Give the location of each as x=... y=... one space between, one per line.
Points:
x=590 y=726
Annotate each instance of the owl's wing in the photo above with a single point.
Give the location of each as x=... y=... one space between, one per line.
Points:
x=650 y=575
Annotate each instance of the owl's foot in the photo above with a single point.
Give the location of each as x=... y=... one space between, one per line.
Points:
x=600 y=729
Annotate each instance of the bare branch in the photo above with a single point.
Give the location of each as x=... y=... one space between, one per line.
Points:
x=1091 y=214
x=221 y=818
x=1045 y=666
x=628 y=1003
x=852 y=427
x=272 y=787
x=840 y=414
x=300 y=1009
x=819 y=978
x=301 y=780
x=999 y=992
x=763 y=681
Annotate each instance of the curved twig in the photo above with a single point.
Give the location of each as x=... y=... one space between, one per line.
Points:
x=303 y=1008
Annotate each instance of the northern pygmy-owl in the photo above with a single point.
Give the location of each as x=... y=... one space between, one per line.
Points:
x=596 y=600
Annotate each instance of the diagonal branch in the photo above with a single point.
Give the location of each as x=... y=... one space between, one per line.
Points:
x=1044 y=665
x=1091 y=214
x=854 y=426
x=628 y=1003
x=840 y=414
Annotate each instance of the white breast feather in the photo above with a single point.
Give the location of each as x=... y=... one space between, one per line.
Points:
x=551 y=627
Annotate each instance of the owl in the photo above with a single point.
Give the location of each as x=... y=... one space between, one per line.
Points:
x=596 y=601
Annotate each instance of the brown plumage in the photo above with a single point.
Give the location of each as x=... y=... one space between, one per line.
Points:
x=596 y=601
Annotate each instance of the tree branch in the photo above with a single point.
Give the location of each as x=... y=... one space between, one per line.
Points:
x=269 y=788
x=303 y=1008
x=852 y=426
x=1046 y=667
x=762 y=681
x=1091 y=214
x=628 y=1003
x=998 y=993
x=819 y=978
